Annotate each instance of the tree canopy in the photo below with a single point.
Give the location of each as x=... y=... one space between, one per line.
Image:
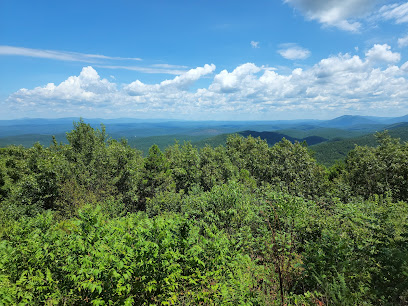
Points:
x=95 y=222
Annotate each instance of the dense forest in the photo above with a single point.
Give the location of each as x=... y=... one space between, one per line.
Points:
x=95 y=222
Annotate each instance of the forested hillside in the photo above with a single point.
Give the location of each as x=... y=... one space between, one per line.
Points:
x=328 y=153
x=93 y=222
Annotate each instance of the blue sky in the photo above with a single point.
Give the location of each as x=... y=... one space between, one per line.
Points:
x=200 y=59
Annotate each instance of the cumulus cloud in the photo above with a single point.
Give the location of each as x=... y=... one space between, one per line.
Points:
x=337 y=84
x=403 y=41
x=340 y=65
x=404 y=67
x=293 y=52
x=396 y=12
x=86 y=88
x=226 y=82
x=190 y=76
x=180 y=82
x=382 y=53
x=255 y=44
x=340 y=14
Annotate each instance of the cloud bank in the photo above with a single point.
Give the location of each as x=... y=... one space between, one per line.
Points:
x=337 y=84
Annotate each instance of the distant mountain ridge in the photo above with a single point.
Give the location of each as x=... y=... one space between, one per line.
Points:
x=353 y=121
x=329 y=152
x=342 y=121
x=349 y=121
x=274 y=137
x=142 y=133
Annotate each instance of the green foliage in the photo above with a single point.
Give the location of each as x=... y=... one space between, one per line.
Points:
x=133 y=260
x=164 y=201
x=251 y=154
x=185 y=165
x=157 y=176
x=286 y=165
x=229 y=207
x=93 y=222
x=88 y=170
x=31 y=179
x=293 y=167
x=216 y=167
x=328 y=153
x=379 y=170
x=360 y=252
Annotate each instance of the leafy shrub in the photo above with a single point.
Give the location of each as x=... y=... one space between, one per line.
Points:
x=132 y=260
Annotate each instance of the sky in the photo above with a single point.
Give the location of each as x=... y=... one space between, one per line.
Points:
x=203 y=59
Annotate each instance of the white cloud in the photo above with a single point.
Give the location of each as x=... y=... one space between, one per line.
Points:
x=168 y=66
x=403 y=41
x=340 y=65
x=101 y=61
x=59 y=55
x=382 y=53
x=340 y=14
x=404 y=67
x=226 y=82
x=335 y=85
x=180 y=82
x=190 y=76
x=293 y=52
x=397 y=12
x=150 y=70
x=255 y=44
x=88 y=87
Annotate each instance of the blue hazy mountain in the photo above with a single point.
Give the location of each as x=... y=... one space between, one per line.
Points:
x=348 y=121
x=27 y=131
x=274 y=137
